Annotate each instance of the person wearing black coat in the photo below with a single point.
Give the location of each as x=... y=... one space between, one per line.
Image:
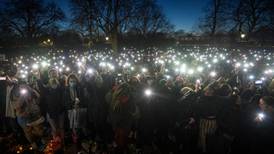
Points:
x=75 y=106
x=261 y=132
x=96 y=110
x=207 y=110
x=55 y=110
x=186 y=127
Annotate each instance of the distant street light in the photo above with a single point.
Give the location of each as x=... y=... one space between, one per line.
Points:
x=243 y=36
x=47 y=42
x=107 y=38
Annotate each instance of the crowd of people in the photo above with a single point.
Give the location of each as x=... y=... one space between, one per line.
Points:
x=209 y=100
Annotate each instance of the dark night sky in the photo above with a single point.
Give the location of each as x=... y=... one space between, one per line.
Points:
x=184 y=14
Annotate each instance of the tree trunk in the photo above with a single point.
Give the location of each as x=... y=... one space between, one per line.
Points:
x=114 y=41
x=114 y=37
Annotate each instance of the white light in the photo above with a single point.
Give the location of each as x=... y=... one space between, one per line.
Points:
x=144 y=70
x=215 y=60
x=176 y=63
x=238 y=65
x=111 y=67
x=107 y=38
x=90 y=71
x=251 y=64
x=212 y=74
x=190 y=72
x=44 y=64
x=183 y=68
x=67 y=69
x=198 y=81
x=148 y=92
x=23 y=91
x=79 y=64
x=161 y=62
x=23 y=76
x=246 y=65
x=126 y=65
x=200 y=69
x=35 y=66
x=261 y=116
x=102 y=64
x=242 y=36
x=251 y=77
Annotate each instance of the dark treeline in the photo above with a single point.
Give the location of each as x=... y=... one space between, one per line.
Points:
x=138 y=23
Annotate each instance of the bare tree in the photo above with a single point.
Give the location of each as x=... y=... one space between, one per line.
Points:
x=113 y=16
x=30 y=18
x=150 y=19
x=238 y=17
x=270 y=13
x=216 y=17
x=255 y=11
x=84 y=18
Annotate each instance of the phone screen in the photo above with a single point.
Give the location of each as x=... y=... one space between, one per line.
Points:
x=259 y=82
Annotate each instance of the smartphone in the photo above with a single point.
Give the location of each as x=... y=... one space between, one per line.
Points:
x=258 y=82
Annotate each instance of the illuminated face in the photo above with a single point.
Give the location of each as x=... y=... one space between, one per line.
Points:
x=53 y=74
x=262 y=105
x=72 y=82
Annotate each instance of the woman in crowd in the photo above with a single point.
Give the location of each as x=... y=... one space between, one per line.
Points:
x=208 y=107
x=121 y=114
x=75 y=106
x=28 y=114
x=55 y=109
x=261 y=133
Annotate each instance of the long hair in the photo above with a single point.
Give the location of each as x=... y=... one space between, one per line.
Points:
x=74 y=76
